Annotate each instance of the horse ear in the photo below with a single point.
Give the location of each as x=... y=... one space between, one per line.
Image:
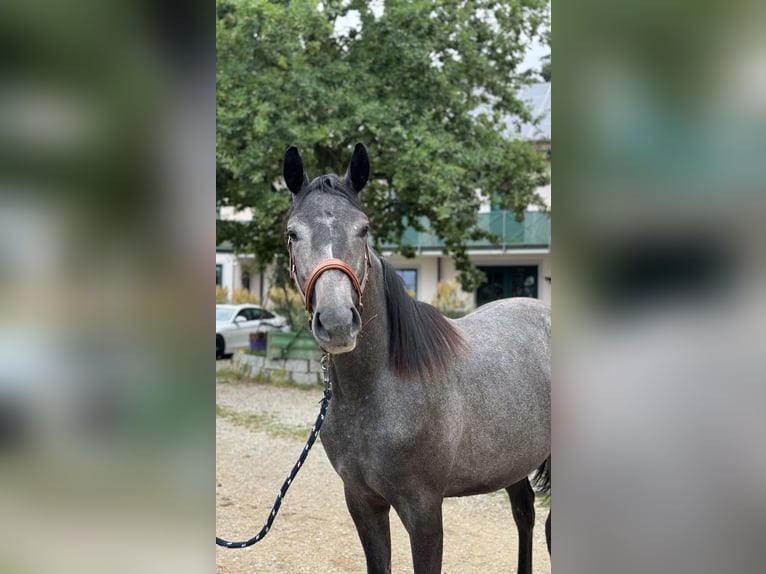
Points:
x=358 y=168
x=295 y=175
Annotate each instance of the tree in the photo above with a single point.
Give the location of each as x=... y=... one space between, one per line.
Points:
x=407 y=82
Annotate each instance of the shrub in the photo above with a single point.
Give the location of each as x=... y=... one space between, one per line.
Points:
x=449 y=301
x=244 y=296
x=221 y=294
x=287 y=302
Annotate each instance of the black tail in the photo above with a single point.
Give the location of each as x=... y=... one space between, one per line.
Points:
x=541 y=480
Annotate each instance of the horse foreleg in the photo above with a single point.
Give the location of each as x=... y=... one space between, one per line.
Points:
x=372 y=524
x=523 y=506
x=422 y=519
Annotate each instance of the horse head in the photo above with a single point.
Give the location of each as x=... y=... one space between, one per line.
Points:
x=329 y=254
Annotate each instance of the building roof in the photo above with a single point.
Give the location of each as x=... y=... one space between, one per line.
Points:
x=538 y=99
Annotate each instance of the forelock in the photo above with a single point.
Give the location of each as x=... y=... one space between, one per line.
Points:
x=331 y=184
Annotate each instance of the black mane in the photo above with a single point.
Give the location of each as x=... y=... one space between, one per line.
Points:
x=421 y=341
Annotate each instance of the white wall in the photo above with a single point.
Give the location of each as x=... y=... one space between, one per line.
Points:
x=233 y=267
x=231 y=275
x=231 y=214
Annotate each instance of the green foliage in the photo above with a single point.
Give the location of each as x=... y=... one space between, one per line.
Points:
x=406 y=83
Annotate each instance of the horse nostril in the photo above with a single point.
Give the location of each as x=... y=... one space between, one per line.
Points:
x=319 y=328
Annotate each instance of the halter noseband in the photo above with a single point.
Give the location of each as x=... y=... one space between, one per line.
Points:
x=326 y=265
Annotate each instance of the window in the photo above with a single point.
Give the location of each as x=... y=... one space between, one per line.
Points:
x=246 y=279
x=510 y=281
x=250 y=314
x=219 y=274
x=410 y=278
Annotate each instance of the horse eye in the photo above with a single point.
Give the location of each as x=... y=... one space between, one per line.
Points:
x=364 y=231
x=292 y=235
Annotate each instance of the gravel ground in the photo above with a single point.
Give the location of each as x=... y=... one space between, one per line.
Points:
x=260 y=431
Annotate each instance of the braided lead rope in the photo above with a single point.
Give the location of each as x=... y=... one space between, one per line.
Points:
x=288 y=481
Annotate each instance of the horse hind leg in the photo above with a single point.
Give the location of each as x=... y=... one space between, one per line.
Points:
x=542 y=482
x=548 y=532
x=523 y=506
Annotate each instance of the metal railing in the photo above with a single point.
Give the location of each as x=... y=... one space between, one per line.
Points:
x=533 y=231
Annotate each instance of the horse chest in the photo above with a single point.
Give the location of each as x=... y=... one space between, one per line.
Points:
x=368 y=445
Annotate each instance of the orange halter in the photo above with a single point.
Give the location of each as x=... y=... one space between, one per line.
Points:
x=326 y=265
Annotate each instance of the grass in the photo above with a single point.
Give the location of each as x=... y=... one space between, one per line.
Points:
x=261 y=422
x=256 y=353
x=230 y=374
x=276 y=378
x=257 y=421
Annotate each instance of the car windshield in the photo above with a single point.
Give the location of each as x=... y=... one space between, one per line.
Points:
x=224 y=314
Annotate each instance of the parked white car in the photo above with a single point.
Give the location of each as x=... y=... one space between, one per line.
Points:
x=234 y=323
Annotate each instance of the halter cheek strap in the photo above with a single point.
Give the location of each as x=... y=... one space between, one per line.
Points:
x=326 y=265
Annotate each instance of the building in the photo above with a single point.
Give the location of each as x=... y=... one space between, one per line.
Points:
x=520 y=265
x=236 y=270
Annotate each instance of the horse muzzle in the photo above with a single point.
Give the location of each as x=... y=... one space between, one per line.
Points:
x=336 y=327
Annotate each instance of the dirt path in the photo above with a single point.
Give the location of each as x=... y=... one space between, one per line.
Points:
x=260 y=431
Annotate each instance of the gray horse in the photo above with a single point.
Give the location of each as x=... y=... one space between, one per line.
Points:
x=424 y=407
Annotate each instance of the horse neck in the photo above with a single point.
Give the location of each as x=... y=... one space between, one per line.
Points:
x=361 y=367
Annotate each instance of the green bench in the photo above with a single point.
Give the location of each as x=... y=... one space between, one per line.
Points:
x=293 y=345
